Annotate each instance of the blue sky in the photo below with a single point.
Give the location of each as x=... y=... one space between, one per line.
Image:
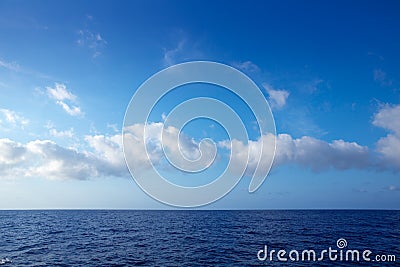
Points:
x=330 y=71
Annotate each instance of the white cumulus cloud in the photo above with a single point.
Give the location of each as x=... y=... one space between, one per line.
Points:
x=306 y=151
x=109 y=150
x=320 y=155
x=277 y=98
x=60 y=92
x=46 y=159
x=180 y=148
x=103 y=155
x=388 y=117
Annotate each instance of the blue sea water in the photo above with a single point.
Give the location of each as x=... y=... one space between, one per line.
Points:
x=190 y=238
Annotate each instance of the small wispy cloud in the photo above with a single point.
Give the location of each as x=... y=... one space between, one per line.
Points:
x=113 y=126
x=360 y=190
x=71 y=110
x=381 y=77
x=276 y=97
x=10 y=65
x=17 y=68
x=60 y=92
x=11 y=119
x=163 y=116
x=182 y=49
x=372 y=54
x=62 y=134
x=91 y=39
x=393 y=188
x=312 y=86
x=170 y=55
x=246 y=66
x=65 y=99
x=59 y=134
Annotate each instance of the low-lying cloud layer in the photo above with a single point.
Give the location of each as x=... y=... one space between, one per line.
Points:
x=44 y=158
x=104 y=154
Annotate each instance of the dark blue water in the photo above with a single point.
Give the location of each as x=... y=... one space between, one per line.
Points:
x=190 y=238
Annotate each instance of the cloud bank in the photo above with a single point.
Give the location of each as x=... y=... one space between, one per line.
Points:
x=104 y=154
x=44 y=158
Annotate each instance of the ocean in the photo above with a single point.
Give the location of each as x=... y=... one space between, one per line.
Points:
x=198 y=238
